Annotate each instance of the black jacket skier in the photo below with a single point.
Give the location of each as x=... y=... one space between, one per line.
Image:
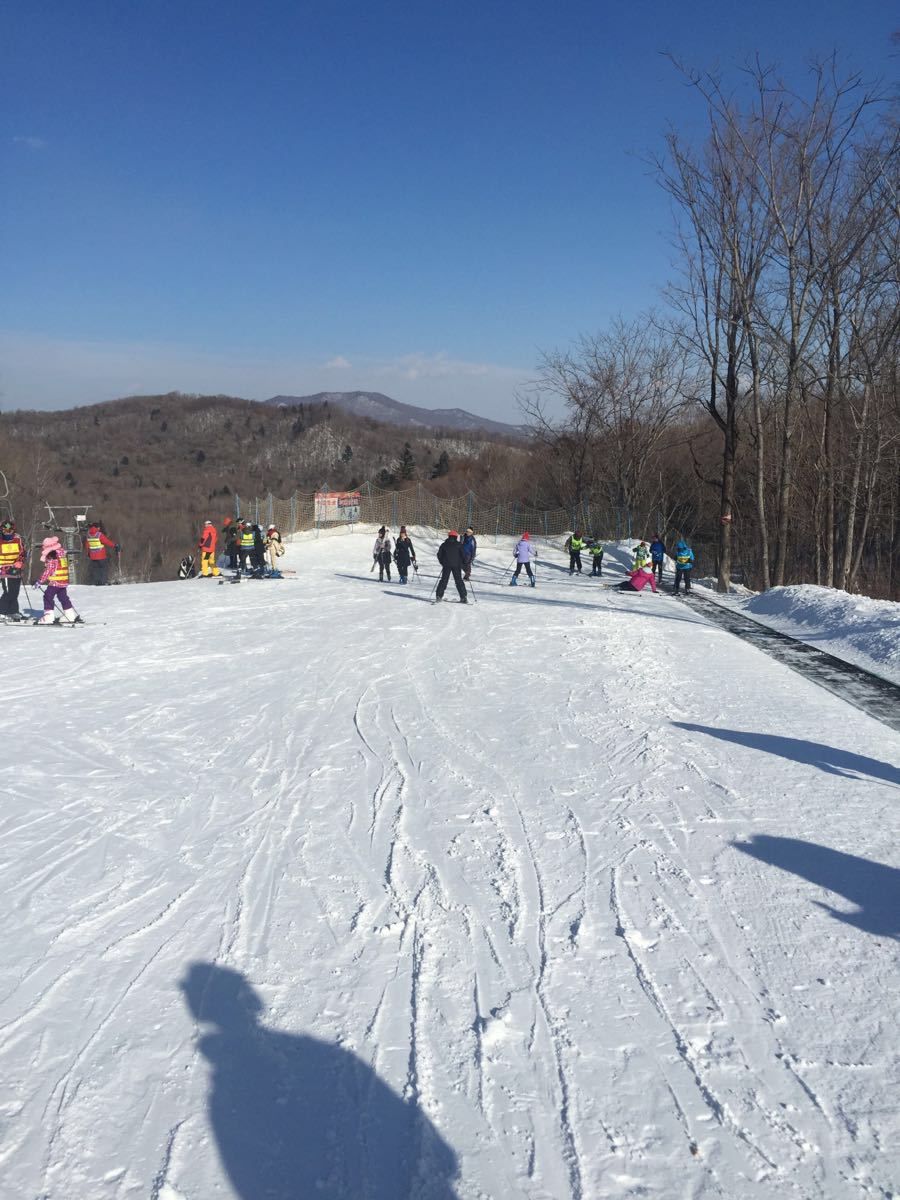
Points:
x=404 y=554
x=450 y=557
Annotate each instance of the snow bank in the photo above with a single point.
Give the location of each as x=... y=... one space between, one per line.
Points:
x=855 y=628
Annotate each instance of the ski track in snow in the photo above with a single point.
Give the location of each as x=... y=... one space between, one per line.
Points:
x=493 y=854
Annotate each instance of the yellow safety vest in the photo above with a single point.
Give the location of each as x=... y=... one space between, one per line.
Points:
x=9 y=553
x=247 y=539
x=59 y=577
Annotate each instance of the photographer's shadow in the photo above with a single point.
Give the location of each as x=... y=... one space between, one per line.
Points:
x=299 y=1119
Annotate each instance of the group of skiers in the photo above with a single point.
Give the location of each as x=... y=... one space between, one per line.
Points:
x=245 y=545
x=54 y=578
x=648 y=562
x=403 y=555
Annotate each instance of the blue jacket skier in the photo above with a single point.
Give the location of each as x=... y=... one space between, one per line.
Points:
x=657 y=555
x=469 y=549
x=684 y=562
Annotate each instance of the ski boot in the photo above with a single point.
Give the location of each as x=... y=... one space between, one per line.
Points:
x=514 y=582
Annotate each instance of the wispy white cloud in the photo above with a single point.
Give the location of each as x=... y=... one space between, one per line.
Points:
x=338 y=363
x=33 y=143
x=443 y=366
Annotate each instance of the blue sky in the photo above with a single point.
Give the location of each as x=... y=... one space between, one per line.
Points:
x=411 y=197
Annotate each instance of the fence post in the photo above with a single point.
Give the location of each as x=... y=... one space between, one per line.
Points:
x=294 y=512
x=237 y=507
x=271 y=517
x=395 y=517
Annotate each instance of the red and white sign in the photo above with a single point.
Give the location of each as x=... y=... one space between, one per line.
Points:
x=336 y=507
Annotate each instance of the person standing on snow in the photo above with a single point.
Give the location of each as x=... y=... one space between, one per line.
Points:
x=259 y=549
x=404 y=554
x=382 y=553
x=641 y=556
x=12 y=563
x=657 y=555
x=274 y=546
x=575 y=545
x=229 y=541
x=56 y=577
x=469 y=548
x=207 y=545
x=684 y=562
x=524 y=553
x=595 y=549
x=449 y=555
x=245 y=544
x=97 y=543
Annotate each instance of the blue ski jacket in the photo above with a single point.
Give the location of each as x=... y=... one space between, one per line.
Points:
x=469 y=546
x=684 y=557
x=657 y=551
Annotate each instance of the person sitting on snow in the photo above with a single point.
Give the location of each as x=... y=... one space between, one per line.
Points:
x=638 y=578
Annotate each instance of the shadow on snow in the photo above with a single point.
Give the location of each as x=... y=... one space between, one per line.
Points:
x=873 y=887
x=296 y=1118
x=843 y=763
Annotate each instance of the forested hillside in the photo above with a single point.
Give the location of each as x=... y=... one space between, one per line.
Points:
x=154 y=467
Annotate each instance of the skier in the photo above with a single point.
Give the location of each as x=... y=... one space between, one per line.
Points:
x=595 y=549
x=641 y=556
x=12 y=563
x=274 y=547
x=382 y=553
x=638 y=578
x=229 y=540
x=97 y=543
x=524 y=553
x=469 y=549
x=56 y=577
x=575 y=545
x=449 y=555
x=684 y=562
x=207 y=546
x=657 y=554
x=245 y=544
x=259 y=551
x=404 y=554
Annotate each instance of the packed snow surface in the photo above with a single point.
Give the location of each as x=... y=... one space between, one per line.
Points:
x=313 y=890
x=855 y=628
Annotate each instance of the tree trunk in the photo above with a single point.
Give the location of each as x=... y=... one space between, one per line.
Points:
x=853 y=498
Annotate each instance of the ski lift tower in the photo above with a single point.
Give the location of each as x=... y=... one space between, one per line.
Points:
x=6 y=510
x=71 y=529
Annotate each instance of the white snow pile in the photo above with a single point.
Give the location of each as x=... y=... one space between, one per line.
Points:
x=313 y=890
x=855 y=628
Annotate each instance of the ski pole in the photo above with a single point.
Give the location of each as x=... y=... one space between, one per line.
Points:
x=434 y=589
x=472 y=590
x=508 y=570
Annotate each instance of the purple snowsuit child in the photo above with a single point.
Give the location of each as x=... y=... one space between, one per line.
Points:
x=56 y=577
x=525 y=552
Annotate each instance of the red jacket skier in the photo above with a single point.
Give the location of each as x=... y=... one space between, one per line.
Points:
x=97 y=543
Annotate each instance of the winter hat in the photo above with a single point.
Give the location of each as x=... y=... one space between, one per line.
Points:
x=403 y=529
x=269 y=530
x=207 y=523
x=453 y=533
x=50 y=545
x=524 y=537
x=469 y=529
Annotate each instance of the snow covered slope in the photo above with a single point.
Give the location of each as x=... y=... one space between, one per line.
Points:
x=311 y=889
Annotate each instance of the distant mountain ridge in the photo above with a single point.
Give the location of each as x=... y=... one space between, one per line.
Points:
x=394 y=412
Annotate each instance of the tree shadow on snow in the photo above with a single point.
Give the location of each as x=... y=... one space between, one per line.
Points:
x=873 y=887
x=296 y=1118
x=842 y=763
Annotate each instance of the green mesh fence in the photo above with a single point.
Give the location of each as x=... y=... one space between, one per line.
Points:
x=417 y=506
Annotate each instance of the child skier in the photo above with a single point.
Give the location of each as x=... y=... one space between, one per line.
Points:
x=575 y=545
x=595 y=549
x=56 y=577
x=524 y=553
x=641 y=556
